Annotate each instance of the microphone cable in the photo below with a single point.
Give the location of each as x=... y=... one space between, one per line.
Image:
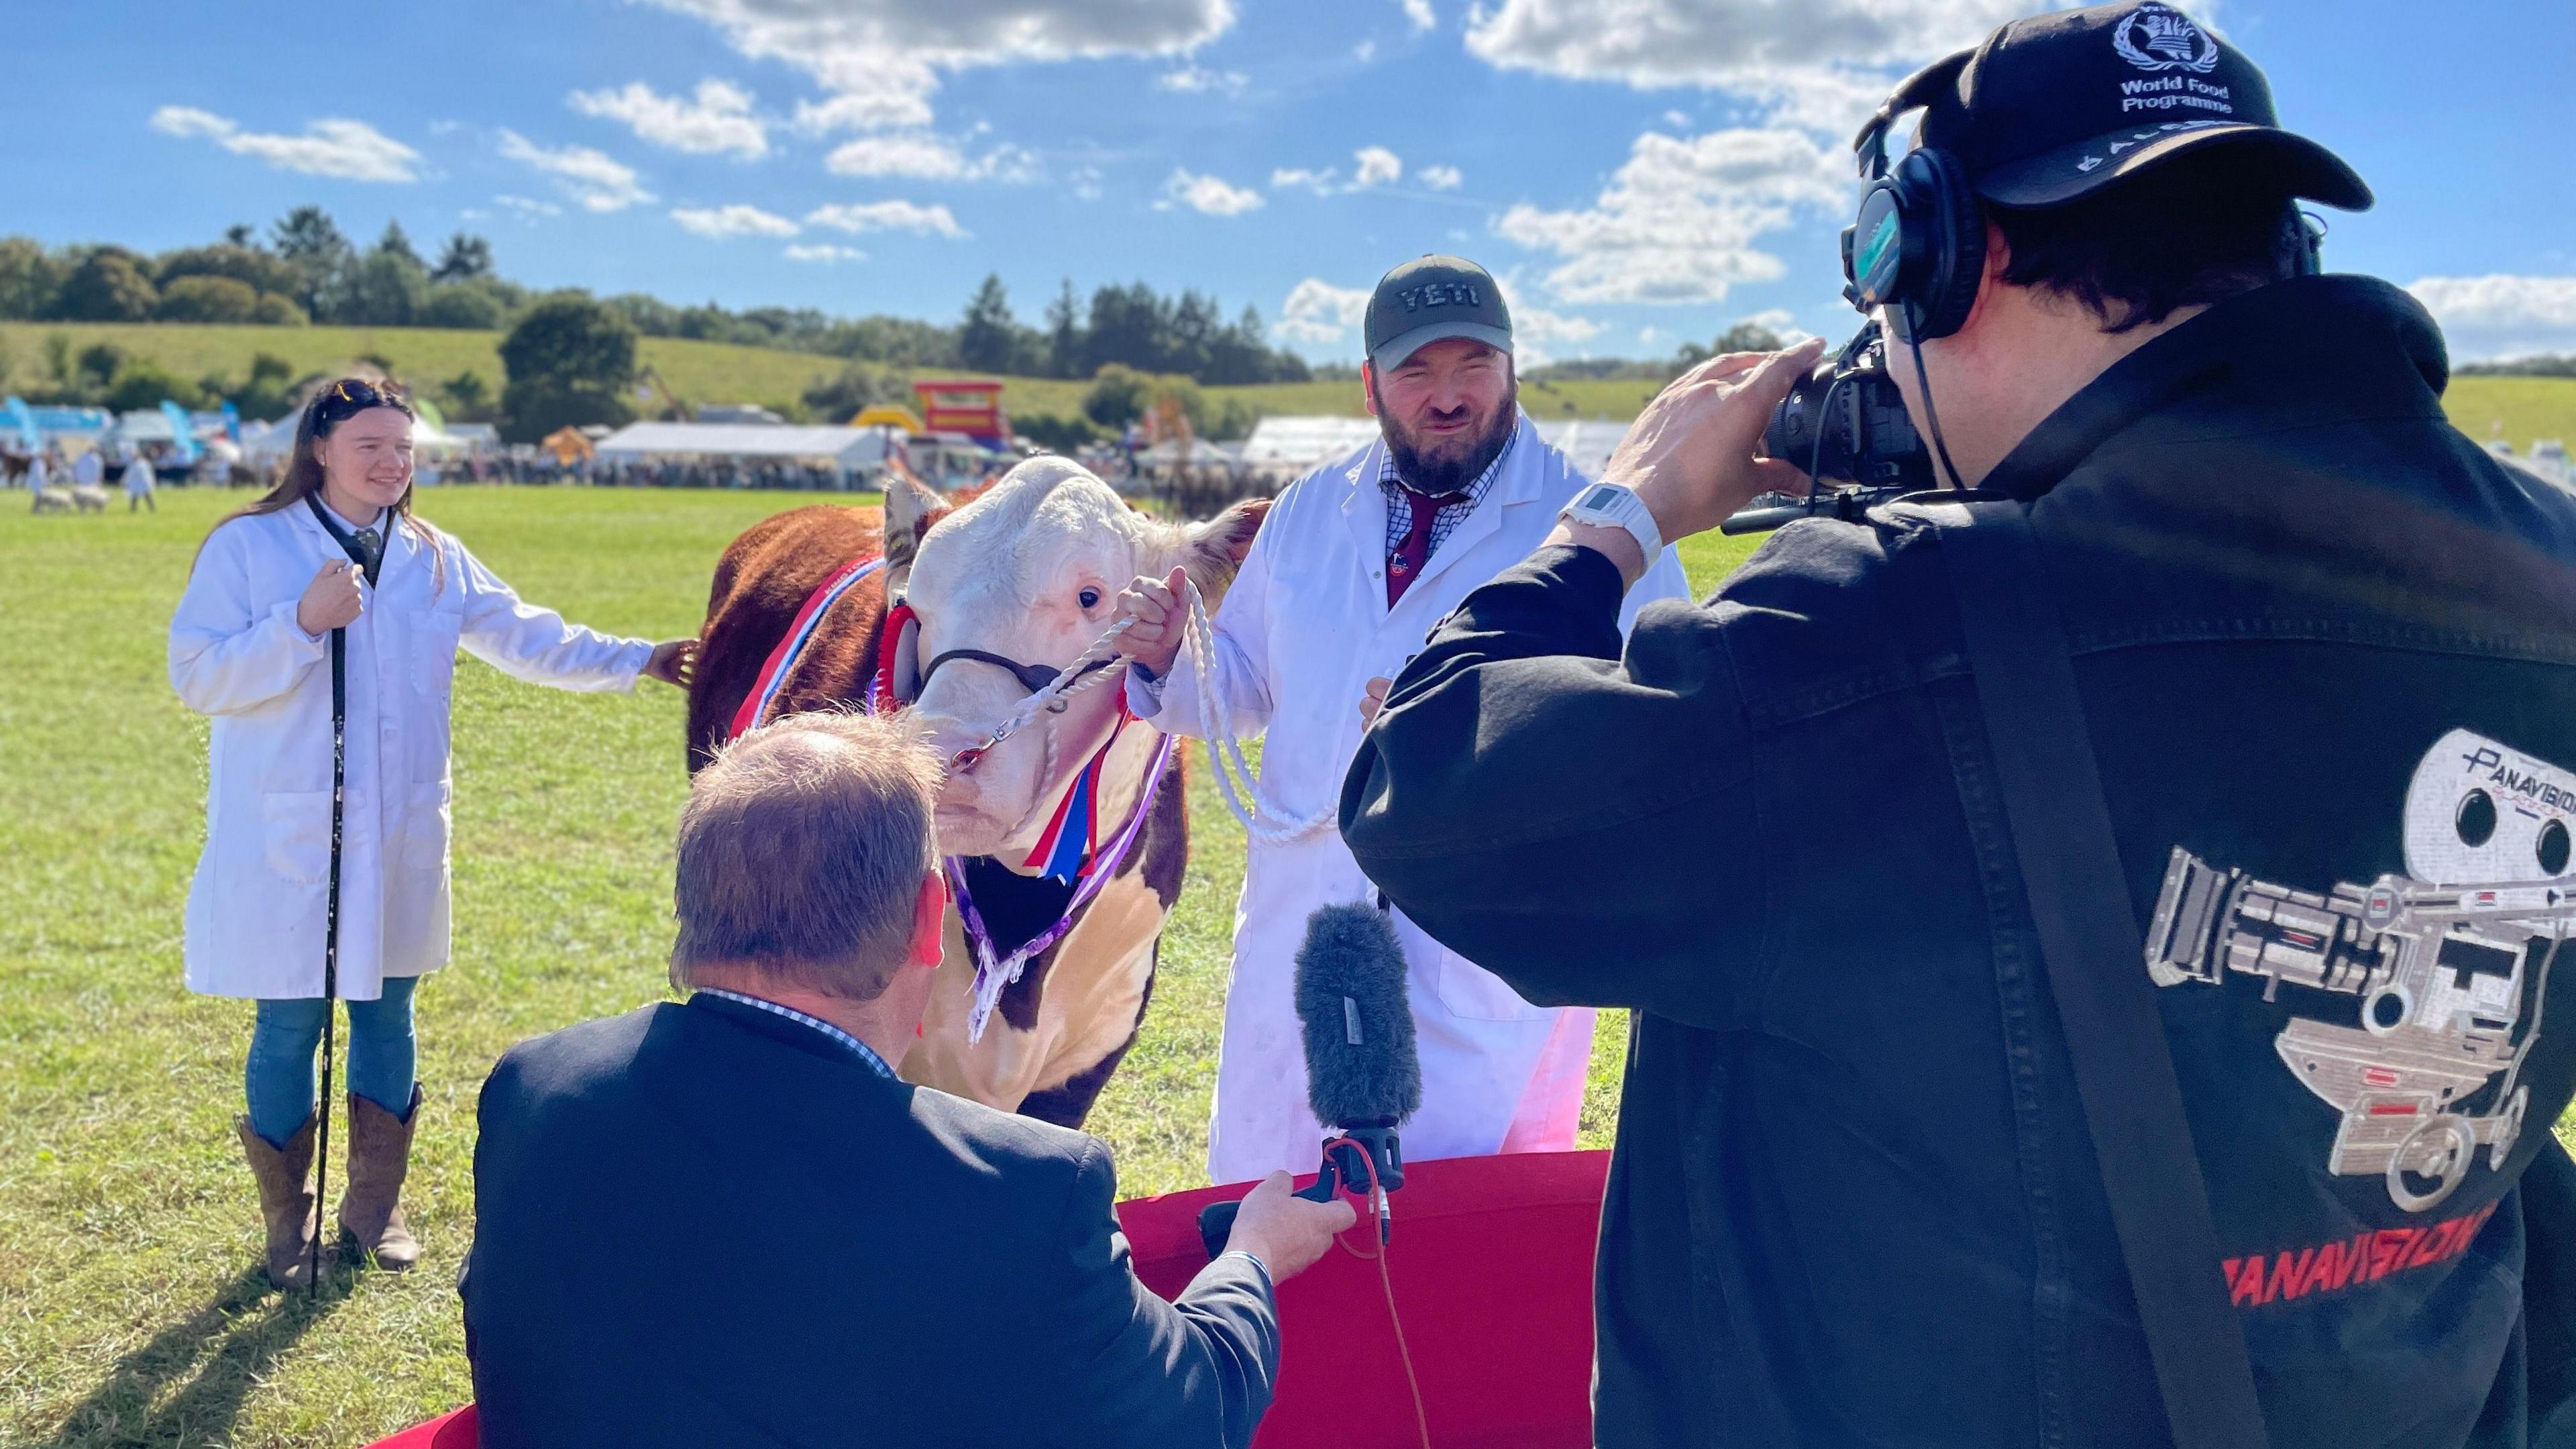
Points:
x=1381 y=1214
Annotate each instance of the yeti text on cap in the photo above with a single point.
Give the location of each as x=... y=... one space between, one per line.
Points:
x=1439 y=294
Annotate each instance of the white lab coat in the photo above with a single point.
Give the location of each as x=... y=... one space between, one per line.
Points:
x=1302 y=631
x=255 y=910
x=138 y=478
x=87 y=470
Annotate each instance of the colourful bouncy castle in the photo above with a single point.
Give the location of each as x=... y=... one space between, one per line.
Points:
x=972 y=406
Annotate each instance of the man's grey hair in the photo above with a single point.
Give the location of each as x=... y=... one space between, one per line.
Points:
x=802 y=849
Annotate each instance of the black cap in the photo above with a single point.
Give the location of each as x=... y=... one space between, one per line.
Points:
x=1429 y=298
x=2052 y=107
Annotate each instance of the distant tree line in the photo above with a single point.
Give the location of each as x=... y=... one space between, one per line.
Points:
x=571 y=358
x=1742 y=337
x=2545 y=365
x=1132 y=326
x=305 y=270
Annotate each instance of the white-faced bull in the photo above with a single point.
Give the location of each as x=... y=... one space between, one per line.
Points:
x=992 y=597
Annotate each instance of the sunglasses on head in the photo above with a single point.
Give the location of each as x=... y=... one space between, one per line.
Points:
x=352 y=396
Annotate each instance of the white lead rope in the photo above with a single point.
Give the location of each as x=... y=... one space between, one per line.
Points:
x=1198 y=647
x=1198 y=644
x=1068 y=682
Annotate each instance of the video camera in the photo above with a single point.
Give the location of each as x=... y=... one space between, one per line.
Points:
x=1844 y=422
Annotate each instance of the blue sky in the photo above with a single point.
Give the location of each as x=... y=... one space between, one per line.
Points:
x=1638 y=171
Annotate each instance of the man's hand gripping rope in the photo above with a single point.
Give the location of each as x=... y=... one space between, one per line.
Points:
x=1165 y=623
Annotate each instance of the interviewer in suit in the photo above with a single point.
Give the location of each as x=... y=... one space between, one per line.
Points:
x=726 y=1221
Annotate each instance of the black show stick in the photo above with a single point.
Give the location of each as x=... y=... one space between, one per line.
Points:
x=330 y=949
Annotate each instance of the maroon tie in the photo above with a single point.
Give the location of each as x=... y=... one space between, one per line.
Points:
x=1405 y=564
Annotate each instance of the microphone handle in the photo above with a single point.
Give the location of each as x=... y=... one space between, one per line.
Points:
x=1216 y=1220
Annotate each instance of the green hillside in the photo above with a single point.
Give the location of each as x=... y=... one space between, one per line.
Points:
x=427 y=356
x=2515 y=409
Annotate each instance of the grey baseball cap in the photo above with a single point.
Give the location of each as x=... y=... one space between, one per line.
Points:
x=1429 y=298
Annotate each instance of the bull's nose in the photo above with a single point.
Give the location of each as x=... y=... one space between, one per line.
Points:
x=945 y=734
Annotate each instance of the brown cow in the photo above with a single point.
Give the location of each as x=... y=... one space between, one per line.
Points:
x=1025 y=572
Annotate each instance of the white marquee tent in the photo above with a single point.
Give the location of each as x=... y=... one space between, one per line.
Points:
x=848 y=449
x=1296 y=444
x=1587 y=446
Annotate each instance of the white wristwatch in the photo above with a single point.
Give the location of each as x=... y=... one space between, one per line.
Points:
x=1615 y=505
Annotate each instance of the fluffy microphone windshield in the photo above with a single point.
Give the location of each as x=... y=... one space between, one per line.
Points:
x=1360 y=1063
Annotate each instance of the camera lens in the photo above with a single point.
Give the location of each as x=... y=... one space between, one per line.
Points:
x=1845 y=422
x=1791 y=434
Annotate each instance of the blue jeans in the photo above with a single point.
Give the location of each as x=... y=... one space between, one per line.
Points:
x=278 y=1077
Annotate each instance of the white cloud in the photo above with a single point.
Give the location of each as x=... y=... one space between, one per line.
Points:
x=883 y=59
x=1537 y=324
x=1378 y=166
x=1197 y=80
x=1678 y=221
x=1364 y=52
x=1537 y=332
x=587 y=176
x=1086 y=183
x=1648 y=335
x=862 y=112
x=1419 y=12
x=1319 y=182
x=866 y=216
x=350 y=150
x=1679 y=121
x=734 y=220
x=825 y=253
x=1441 y=178
x=718 y=120
x=1208 y=195
x=1728 y=44
x=924 y=155
x=2502 y=316
x=526 y=206
x=1319 y=312
x=1782 y=323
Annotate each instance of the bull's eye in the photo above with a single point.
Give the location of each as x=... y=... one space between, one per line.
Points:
x=1090 y=598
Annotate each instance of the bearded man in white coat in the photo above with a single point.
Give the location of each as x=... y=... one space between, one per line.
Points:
x=1354 y=565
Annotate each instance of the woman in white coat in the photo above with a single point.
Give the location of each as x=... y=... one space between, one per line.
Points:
x=335 y=547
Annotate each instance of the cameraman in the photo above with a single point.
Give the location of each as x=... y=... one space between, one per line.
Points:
x=1855 y=1200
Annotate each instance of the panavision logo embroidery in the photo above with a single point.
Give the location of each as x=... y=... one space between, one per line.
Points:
x=2418 y=997
x=2159 y=37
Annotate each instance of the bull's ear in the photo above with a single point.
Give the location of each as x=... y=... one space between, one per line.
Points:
x=1216 y=548
x=910 y=505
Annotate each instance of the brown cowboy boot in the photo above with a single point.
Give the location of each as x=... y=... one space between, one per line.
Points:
x=379 y=1156
x=285 y=1178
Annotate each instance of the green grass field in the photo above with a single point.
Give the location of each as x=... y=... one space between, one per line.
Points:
x=2514 y=409
x=131 y=1308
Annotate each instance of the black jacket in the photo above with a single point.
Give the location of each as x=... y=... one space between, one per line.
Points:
x=1854 y=1201
x=701 y=1224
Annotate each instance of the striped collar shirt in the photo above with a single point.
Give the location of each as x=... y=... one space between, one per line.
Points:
x=1453 y=507
x=867 y=1055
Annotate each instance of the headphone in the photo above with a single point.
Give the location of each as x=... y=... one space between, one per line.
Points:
x=1918 y=247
